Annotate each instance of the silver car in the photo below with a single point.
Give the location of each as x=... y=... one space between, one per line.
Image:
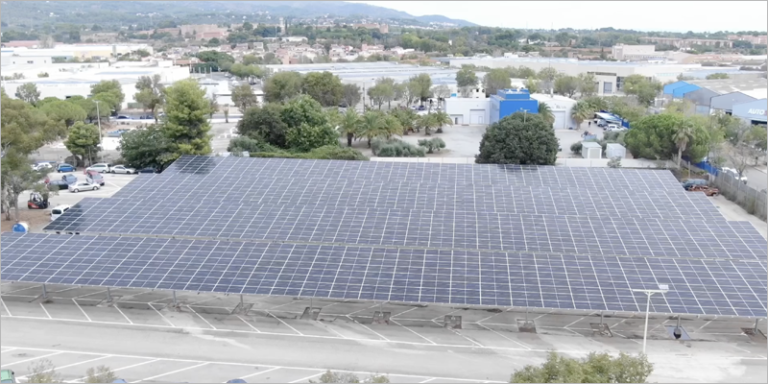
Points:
x=83 y=186
x=122 y=169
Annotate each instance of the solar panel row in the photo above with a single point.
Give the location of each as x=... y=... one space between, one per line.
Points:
x=414 y=228
x=604 y=179
x=675 y=204
x=712 y=287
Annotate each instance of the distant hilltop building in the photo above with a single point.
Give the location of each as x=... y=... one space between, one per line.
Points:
x=752 y=39
x=197 y=31
x=688 y=43
x=383 y=28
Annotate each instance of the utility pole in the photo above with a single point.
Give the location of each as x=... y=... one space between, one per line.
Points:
x=98 y=119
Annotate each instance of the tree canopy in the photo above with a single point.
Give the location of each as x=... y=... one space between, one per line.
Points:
x=151 y=93
x=495 y=80
x=596 y=368
x=28 y=92
x=654 y=137
x=264 y=123
x=186 y=124
x=641 y=87
x=282 y=86
x=83 y=142
x=147 y=147
x=243 y=97
x=519 y=139
x=324 y=87
x=113 y=89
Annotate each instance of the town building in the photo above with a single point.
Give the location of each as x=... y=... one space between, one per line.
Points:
x=561 y=108
x=624 y=52
x=725 y=103
x=701 y=99
x=508 y=101
x=688 y=43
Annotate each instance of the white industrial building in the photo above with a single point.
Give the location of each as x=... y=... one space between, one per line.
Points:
x=561 y=107
x=468 y=111
x=609 y=74
x=78 y=81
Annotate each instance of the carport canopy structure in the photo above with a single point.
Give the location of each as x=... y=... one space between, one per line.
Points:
x=463 y=251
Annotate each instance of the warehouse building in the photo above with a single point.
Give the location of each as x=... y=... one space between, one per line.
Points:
x=561 y=107
x=471 y=111
x=724 y=103
x=610 y=75
x=468 y=111
x=701 y=99
x=753 y=112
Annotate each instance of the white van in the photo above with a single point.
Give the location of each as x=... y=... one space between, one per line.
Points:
x=58 y=211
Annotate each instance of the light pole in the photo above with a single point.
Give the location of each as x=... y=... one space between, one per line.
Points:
x=663 y=288
x=98 y=119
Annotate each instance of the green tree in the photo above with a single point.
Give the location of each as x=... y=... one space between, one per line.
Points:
x=466 y=77
x=532 y=84
x=641 y=87
x=111 y=87
x=438 y=120
x=243 y=97
x=16 y=177
x=420 y=87
x=495 y=80
x=519 y=139
x=151 y=93
x=407 y=118
x=566 y=85
x=717 y=76
x=25 y=129
x=146 y=147
x=308 y=126
x=581 y=112
x=83 y=142
x=351 y=95
x=60 y=110
x=683 y=134
x=597 y=103
x=349 y=125
x=547 y=76
x=546 y=113
x=282 y=86
x=653 y=137
x=375 y=124
x=28 y=92
x=186 y=124
x=251 y=59
x=324 y=87
x=587 y=84
x=380 y=93
x=596 y=368
x=213 y=105
x=265 y=124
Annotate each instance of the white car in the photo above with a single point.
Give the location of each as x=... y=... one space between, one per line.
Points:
x=83 y=186
x=100 y=167
x=735 y=174
x=41 y=166
x=122 y=169
x=58 y=211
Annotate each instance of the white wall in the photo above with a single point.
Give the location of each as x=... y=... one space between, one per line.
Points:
x=461 y=107
x=558 y=104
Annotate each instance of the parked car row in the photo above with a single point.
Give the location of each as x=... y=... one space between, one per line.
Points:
x=109 y=168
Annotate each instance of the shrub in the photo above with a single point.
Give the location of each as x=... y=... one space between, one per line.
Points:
x=395 y=148
x=432 y=144
x=328 y=152
x=519 y=139
x=576 y=148
x=615 y=162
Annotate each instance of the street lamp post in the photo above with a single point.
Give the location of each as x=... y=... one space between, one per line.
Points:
x=98 y=119
x=663 y=288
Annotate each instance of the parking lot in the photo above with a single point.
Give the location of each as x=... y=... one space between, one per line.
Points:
x=208 y=338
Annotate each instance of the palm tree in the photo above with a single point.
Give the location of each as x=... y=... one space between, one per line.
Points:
x=441 y=119
x=683 y=136
x=406 y=117
x=546 y=112
x=377 y=124
x=349 y=124
x=582 y=112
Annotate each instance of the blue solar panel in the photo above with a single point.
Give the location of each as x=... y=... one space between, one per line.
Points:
x=711 y=287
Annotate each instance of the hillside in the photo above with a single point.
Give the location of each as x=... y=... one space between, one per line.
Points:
x=31 y=13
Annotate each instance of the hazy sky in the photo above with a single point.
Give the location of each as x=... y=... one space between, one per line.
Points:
x=677 y=16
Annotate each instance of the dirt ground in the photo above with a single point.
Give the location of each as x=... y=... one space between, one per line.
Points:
x=36 y=219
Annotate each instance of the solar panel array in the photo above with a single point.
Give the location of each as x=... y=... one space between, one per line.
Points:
x=551 y=237
x=413 y=228
x=714 y=287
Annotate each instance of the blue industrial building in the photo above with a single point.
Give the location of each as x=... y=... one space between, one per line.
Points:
x=508 y=101
x=669 y=88
x=679 y=88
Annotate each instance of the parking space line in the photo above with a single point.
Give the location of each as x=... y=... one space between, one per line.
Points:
x=172 y=372
x=259 y=373
x=121 y=312
x=404 y=312
x=506 y=338
x=447 y=314
x=23 y=289
x=247 y=323
x=5 y=307
x=72 y=365
x=202 y=318
x=368 y=328
x=414 y=332
x=307 y=378
x=118 y=369
x=572 y=323
x=34 y=358
x=90 y=294
x=427 y=380
x=8 y=350
x=284 y=323
x=46 y=311
x=283 y=304
x=161 y=315
x=81 y=310
x=328 y=327
x=66 y=289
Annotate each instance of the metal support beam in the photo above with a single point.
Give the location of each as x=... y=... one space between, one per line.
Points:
x=601 y=317
x=45 y=293
x=109 y=296
x=757 y=322
x=175 y=303
x=242 y=305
